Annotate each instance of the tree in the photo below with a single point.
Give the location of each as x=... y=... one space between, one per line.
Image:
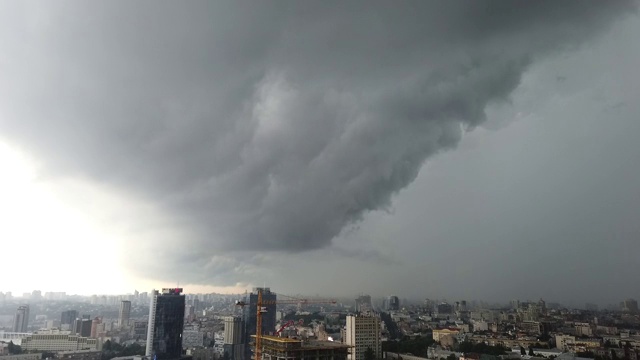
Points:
x=369 y=354
x=14 y=349
x=523 y=351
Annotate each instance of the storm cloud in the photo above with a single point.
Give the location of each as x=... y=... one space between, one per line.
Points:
x=265 y=125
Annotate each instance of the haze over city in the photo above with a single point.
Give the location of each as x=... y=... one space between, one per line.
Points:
x=466 y=150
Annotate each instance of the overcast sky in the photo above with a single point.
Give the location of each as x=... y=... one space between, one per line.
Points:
x=443 y=149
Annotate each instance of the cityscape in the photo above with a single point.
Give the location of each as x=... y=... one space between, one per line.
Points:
x=319 y=179
x=168 y=324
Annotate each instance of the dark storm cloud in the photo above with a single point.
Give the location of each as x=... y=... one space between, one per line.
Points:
x=266 y=125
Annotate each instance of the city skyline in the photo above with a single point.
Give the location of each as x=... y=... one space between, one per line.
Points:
x=378 y=301
x=172 y=325
x=462 y=150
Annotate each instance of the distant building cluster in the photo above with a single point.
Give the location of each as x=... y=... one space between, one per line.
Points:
x=167 y=324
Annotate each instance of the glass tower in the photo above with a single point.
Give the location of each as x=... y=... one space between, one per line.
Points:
x=166 y=320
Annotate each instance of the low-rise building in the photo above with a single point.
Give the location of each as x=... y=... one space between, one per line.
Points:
x=438 y=333
x=57 y=341
x=530 y=327
x=79 y=355
x=546 y=352
x=33 y=356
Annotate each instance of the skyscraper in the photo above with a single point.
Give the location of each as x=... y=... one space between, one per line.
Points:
x=125 y=312
x=233 y=343
x=84 y=327
x=363 y=303
x=94 y=327
x=362 y=333
x=393 y=303
x=21 y=319
x=68 y=317
x=166 y=320
x=268 y=317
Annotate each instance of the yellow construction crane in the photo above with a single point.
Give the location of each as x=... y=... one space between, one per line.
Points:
x=260 y=309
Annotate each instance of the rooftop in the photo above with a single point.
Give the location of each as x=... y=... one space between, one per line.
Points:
x=279 y=339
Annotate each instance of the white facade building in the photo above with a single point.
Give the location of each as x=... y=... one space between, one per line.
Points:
x=57 y=341
x=362 y=333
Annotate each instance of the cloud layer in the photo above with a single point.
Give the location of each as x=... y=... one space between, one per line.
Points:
x=270 y=125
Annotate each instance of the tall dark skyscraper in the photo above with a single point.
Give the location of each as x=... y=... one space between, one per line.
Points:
x=21 y=319
x=393 y=303
x=125 y=312
x=166 y=321
x=84 y=327
x=250 y=318
x=68 y=317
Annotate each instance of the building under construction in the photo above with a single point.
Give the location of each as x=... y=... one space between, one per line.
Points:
x=277 y=348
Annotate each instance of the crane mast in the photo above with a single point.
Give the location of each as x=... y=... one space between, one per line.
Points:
x=258 y=351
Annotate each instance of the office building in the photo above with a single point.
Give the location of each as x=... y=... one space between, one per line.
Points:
x=363 y=332
x=68 y=317
x=125 y=313
x=95 y=323
x=268 y=317
x=56 y=340
x=21 y=319
x=233 y=344
x=166 y=321
x=140 y=329
x=363 y=303
x=393 y=303
x=444 y=309
x=82 y=327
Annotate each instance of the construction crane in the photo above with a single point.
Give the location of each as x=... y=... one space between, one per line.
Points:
x=260 y=309
x=286 y=325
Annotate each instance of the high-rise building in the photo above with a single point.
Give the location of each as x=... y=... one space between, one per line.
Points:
x=444 y=309
x=362 y=333
x=83 y=327
x=393 y=303
x=268 y=317
x=429 y=304
x=166 y=322
x=94 y=327
x=21 y=319
x=68 y=317
x=233 y=342
x=363 y=303
x=630 y=306
x=125 y=313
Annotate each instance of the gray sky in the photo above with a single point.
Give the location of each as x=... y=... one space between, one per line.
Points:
x=481 y=150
